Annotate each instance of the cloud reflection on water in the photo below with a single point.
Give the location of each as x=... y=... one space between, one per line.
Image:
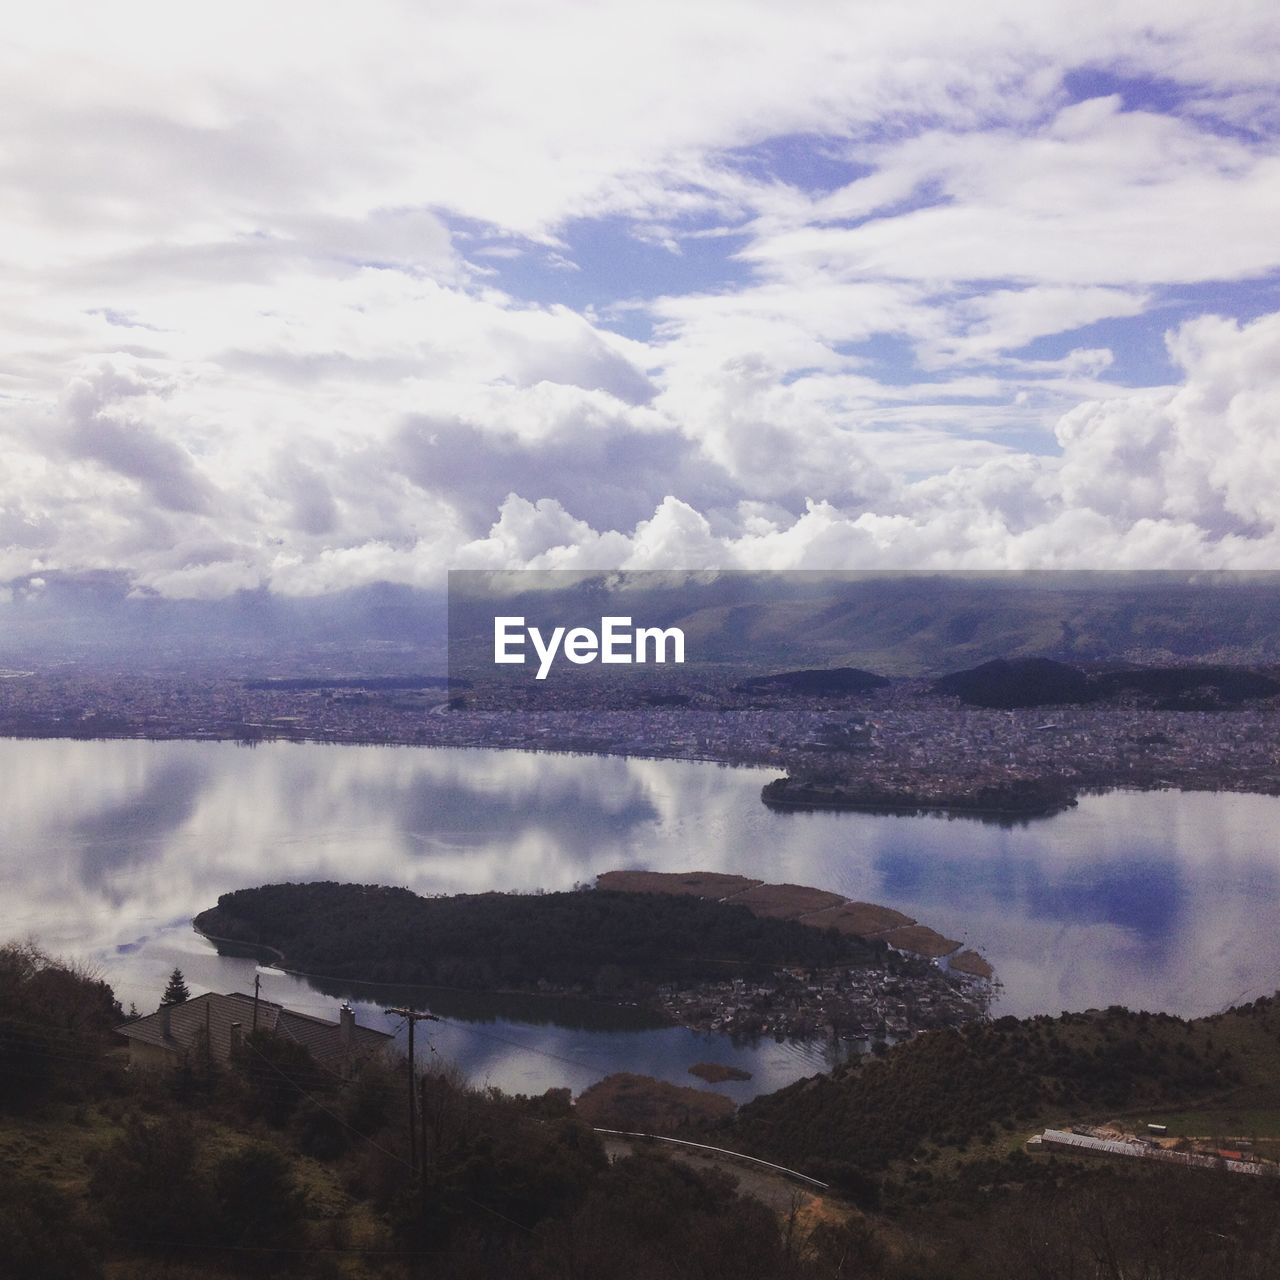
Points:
x=1147 y=899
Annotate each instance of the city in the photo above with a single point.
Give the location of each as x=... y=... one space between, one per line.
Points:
x=900 y=746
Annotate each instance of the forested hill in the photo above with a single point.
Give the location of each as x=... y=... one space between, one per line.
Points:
x=1033 y=682
x=595 y=940
x=961 y=1088
x=826 y=682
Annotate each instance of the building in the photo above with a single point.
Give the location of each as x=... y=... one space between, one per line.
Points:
x=1125 y=1145
x=177 y=1032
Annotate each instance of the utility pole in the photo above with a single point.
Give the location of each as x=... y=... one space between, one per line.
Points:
x=257 y=982
x=414 y=1016
x=422 y=1124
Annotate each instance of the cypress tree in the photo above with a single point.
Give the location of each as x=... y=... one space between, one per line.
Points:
x=176 y=992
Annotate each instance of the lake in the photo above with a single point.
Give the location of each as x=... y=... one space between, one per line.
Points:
x=1157 y=900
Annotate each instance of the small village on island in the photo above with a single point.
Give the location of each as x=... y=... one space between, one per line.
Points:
x=927 y=981
x=858 y=1005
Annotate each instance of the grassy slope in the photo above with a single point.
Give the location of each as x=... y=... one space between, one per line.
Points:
x=62 y=1141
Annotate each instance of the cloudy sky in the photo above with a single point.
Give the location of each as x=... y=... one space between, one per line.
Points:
x=311 y=296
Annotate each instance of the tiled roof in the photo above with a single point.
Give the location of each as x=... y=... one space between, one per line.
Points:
x=323 y=1037
x=214 y=1014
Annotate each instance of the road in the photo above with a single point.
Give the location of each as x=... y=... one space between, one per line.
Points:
x=772 y=1189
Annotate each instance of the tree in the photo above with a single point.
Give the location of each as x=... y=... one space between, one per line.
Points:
x=42 y=1232
x=151 y=1187
x=176 y=992
x=258 y=1199
x=54 y=1021
x=280 y=1073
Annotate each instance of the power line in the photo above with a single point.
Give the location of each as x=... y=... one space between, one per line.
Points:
x=412 y=1016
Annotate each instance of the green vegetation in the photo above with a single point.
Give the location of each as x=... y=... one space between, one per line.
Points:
x=718 y=1072
x=1023 y=682
x=640 y=1104
x=1014 y=1218
x=175 y=991
x=269 y=1165
x=201 y=1173
x=1226 y=1123
x=55 y=1019
x=1013 y=797
x=824 y=682
x=613 y=944
x=962 y=1090
x=1034 y=682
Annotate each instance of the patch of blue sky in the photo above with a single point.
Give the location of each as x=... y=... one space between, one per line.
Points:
x=1136 y=93
x=1137 y=343
x=1032 y=437
x=1242 y=300
x=809 y=162
x=1156 y=94
x=891 y=359
x=605 y=263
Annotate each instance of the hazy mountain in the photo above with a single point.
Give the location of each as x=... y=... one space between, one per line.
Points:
x=892 y=624
x=95 y=619
x=921 y=624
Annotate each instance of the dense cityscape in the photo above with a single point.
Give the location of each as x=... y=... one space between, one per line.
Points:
x=899 y=745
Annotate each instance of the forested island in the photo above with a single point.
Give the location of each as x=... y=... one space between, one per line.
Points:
x=1011 y=798
x=697 y=960
x=580 y=941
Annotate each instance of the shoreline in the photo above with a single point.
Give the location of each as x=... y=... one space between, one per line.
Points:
x=909 y=809
x=524 y=993
x=1090 y=786
x=785 y=1004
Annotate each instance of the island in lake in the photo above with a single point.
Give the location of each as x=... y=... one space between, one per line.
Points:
x=707 y=951
x=1012 y=798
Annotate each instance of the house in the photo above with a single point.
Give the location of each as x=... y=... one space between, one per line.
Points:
x=178 y=1031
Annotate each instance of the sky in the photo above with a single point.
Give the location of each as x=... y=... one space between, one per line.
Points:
x=304 y=297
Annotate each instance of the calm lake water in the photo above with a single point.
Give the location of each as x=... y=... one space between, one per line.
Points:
x=1157 y=900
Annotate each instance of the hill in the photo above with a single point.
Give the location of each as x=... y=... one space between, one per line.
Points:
x=827 y=682
x=1022 y=682
x=1198 y=688
x=916 y=624
x=1032 y=682
x=961 y=1088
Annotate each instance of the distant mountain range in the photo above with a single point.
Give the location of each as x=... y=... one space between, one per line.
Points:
x=903 y=624
x=916 y=624
x=97 y=619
